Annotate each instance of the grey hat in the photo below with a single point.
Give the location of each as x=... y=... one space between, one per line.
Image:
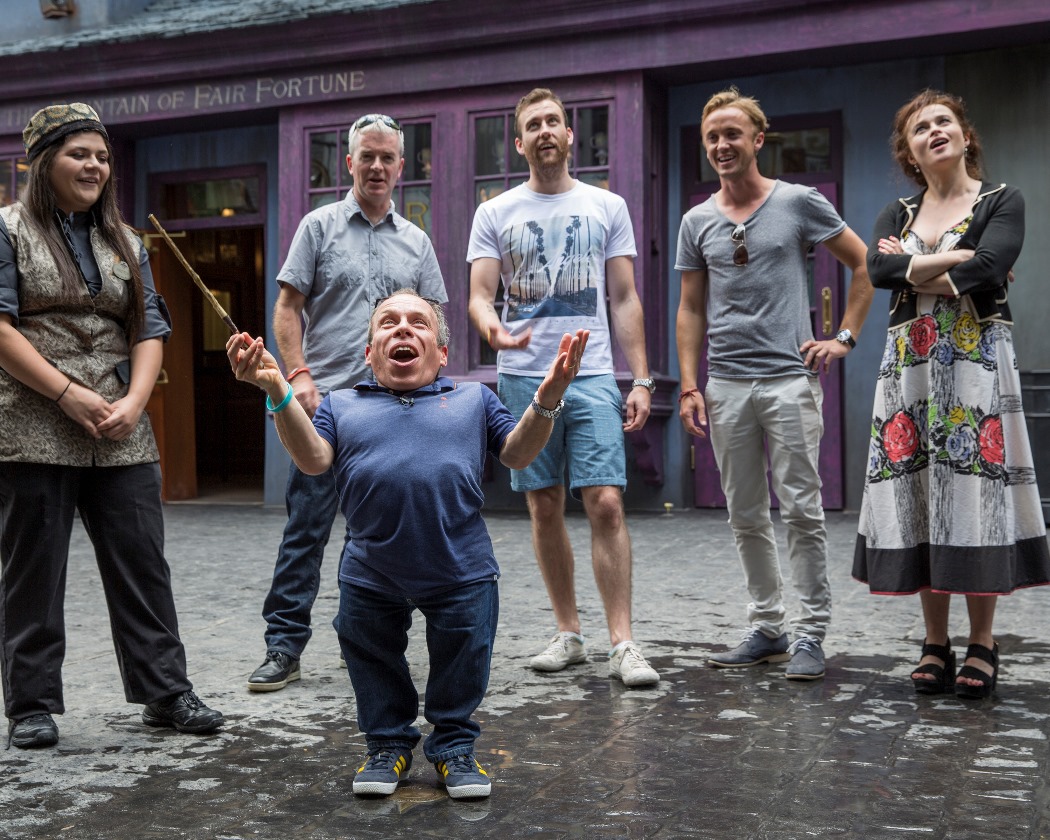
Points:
x=51 y=124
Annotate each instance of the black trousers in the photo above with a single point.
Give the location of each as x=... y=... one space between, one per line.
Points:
x=121 y=510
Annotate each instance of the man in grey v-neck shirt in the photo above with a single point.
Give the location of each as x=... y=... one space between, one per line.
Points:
x=742 y=254
x=343 y=259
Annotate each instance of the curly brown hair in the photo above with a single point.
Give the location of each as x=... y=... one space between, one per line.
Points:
x=899 y=138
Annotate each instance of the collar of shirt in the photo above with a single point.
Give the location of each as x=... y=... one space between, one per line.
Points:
x=352 y=208
x=438 y=386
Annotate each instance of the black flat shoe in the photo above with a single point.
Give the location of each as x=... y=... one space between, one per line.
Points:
x=184 y=712
x=33 y=732
x=943 y=675
x=988 y=681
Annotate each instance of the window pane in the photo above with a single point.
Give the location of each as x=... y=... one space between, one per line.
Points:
x=324 y=160
x=597 y=179
x=592 y=136
x=808 y=150
x=484 y=190
x=490 y=154
x=417 y=207
x=321 y=199
x=205 y=199
x=417 y=152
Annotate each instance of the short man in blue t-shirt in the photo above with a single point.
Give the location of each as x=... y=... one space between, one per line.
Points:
x=343 y=258
x=408 y=450
x=742 y=254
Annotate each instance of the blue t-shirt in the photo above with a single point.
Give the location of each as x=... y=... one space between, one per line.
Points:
x=408 y=470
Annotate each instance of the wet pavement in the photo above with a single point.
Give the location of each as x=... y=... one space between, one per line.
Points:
x=704 y=754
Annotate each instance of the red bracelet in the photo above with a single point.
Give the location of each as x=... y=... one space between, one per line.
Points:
x=688 y=393
x=296 y=372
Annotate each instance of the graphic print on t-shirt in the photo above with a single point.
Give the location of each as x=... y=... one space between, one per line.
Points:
x=556 y=272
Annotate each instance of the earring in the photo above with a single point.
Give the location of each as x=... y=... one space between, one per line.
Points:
x=917 y=168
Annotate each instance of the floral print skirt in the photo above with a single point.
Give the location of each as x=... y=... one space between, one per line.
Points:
x=950 y=497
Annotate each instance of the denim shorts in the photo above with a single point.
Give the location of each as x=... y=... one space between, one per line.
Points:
x=587 y=438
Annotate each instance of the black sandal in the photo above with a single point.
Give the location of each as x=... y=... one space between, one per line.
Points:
x=943 y=675
x=988 y=681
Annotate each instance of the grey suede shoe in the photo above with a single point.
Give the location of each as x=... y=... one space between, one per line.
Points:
x=807 y=660
x=755 y=649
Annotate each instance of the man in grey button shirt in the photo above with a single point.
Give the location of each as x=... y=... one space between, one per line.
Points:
x=344 y=257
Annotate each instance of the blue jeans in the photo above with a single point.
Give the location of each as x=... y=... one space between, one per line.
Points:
x=312 y=502
x=373 y=634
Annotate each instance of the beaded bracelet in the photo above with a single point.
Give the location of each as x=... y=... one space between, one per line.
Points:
x=297 y=371
x=283 y=404
x=688 y=393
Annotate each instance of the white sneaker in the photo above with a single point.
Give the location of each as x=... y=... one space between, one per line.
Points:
x=627 y=663
x=564 y=649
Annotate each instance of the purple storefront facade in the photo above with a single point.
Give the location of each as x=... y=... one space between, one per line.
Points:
x=230 y=128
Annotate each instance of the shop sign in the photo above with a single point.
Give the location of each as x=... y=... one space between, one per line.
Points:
x=202 y=97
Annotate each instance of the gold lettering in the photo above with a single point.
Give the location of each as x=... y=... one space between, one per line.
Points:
x=416 y=212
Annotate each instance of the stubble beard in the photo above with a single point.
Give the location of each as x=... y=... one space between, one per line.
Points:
x=550 y=169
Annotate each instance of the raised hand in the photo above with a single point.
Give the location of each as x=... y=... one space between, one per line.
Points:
x=564 y=368
x=251 y=362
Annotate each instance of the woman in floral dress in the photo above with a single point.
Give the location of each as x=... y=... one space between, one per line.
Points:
x=950 y=499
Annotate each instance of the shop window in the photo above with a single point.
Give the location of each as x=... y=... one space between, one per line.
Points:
x=13 y=172
x=211 y=198
x=330 y=180
x=499 y=167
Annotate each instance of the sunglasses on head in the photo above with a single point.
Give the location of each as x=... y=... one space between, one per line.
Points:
x=740 y=252
x=371 y=119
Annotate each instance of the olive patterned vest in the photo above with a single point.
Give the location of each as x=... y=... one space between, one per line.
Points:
x=85 y=340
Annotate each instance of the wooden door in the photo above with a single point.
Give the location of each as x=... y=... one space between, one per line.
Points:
x=171 y=406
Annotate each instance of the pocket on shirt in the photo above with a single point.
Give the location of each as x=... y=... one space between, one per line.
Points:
x=339 y=268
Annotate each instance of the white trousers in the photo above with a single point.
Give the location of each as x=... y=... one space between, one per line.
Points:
x=745 y=418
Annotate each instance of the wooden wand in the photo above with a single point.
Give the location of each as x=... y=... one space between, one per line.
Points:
x=196 y=278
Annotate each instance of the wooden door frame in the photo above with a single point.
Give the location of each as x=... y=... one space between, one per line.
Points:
x=170 y=406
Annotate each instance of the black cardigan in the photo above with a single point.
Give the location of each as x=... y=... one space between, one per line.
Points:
x=995 y=234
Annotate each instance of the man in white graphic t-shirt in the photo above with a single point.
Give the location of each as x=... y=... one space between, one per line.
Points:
x=560 y=247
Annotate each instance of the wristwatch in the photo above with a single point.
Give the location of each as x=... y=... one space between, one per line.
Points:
x=644 y=383
x=549 y=413
x=845 y=337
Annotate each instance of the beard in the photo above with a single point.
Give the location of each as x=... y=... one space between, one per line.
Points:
x=549 y=165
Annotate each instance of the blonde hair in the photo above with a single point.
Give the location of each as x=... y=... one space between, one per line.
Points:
x=733 y=98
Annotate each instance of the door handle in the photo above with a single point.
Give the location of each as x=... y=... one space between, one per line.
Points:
x=162 y=377
x=825 y=295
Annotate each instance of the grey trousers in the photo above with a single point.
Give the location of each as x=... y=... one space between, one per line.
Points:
x=783 y=415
